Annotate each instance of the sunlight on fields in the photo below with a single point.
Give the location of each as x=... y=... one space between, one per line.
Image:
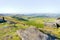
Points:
x=52 y=30
x=10 y=29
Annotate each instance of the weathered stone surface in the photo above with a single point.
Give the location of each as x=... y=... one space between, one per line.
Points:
x=50 y=24
x=58 y=23
x=33 y=34
x=53 y=24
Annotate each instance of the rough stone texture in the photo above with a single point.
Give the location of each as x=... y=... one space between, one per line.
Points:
x=33 y=34
x=53 y=24
x=50 y=24
x=58 y=23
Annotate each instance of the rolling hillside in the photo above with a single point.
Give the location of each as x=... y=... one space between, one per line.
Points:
x=8 y=29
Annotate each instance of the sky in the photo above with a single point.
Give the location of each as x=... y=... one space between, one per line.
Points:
x=29 y=6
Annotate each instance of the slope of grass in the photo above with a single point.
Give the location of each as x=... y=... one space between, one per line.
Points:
x=9 y=29
x=52 y=30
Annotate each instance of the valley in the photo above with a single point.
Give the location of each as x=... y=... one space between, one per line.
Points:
x=13 y=23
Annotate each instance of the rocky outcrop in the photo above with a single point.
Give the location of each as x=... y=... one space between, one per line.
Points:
x=53 y=24
x=2 y=20
x=50 y=24
x=32 y=33
x=58 y=22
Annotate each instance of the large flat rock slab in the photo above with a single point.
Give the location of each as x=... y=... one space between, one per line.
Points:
x=31 y=34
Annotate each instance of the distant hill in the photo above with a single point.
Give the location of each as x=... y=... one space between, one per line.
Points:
x=44 y=15
x=34 y=15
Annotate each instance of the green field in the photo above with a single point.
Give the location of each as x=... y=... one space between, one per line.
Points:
x=8 y=31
